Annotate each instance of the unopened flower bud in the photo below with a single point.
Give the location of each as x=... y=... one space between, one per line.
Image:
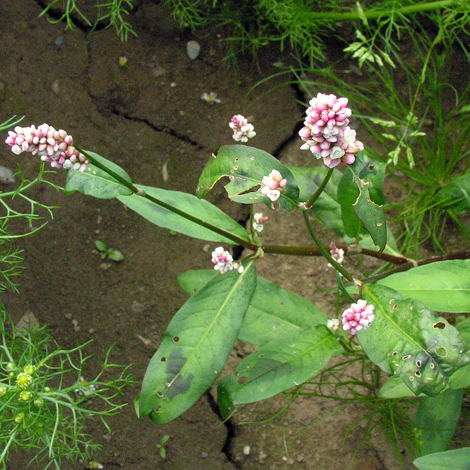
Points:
x=358 y=317
x=38 y=402
x=10 y=366
x=19 y=418
x=29 y=369
x=273 y=185
x=25 y=396
x=24 y=380
x=3 y=390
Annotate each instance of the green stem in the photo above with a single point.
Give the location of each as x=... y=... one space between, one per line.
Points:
x=319 y=190
x=324 y=251
x=179 y=212
x=375 y=13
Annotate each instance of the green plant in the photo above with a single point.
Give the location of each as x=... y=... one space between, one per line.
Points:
x=161 y=446
x=394 y=330
x=113 y=15
x=303 y=24
x=44 y=400
x=106 y=252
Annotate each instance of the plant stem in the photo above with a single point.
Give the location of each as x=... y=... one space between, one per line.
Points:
x=319 y=190
x=324 y=251
x=140 y=192
x=375 y=13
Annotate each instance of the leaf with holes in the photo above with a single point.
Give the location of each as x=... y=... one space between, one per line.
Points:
x=277 y=366
x=273 y=312
x=97 y=183
x=361 y=198
x=195 y=346
x=406 y=339
x=246 y=166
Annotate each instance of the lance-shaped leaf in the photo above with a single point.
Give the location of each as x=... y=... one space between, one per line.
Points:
x=195 y=346
x=436 y=420
x=364 y=183
x=457 y=459
x=444 y=286
x=277 y=366
x=203 y=210
x=96 y=182
x=273 y=314
x=406 y=339
x=246 y=167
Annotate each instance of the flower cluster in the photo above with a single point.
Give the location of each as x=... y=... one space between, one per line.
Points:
x=242 y=130
x=337 y=254
x=326 y=132
x=52 y=146
x=258 y=221
x=358 y=317
x=273 y=184
x=222 y=259
x=333 y=324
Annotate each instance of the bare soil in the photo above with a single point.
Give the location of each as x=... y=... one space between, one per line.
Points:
x=149 y=118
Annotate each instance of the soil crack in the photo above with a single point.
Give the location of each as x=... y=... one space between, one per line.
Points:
x=165 y=129
x=230 y=427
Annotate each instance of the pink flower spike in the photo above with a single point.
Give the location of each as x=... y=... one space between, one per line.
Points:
x=358 y=317
x=242 y=130
x=55 y=147
x=273 y=185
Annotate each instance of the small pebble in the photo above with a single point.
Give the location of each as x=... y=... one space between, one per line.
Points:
x=193 y=49
x=59 y=40
x=55 y=86
x=204 y=455
x=246 y=450
x=6 y=175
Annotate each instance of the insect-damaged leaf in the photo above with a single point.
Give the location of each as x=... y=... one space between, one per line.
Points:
x=361 y=198
x=407 y=340
x=246 y=166
x=196 y=345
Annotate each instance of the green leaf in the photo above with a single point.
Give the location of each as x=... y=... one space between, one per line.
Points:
x=246 y=167
x=196 y=345
x=326 y=208
x=273 y=312
x=360 y=194
x=457 y=459
x=444 y=286
x=394 y=387
x=115 y=255
x=455 y=195
x=203 y=210
x=100 y=245
x=436 y=419
x=406 y=339
x=277 y=366
x=96 y=182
